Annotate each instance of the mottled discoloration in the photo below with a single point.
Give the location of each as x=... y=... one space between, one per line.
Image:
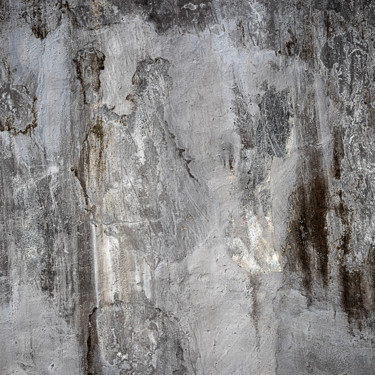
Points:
x=187 y=187
x=92 y=344
x=333 y=52
x=164 y=15
x=356 y=283
x=92 y=163
x=18 y=113
x=7 y=171
x=147 y=72
x=195 y=15
x=244 y=120
x=42 y=19
x=273 y=129
x=307 y=241
x=89 y=63
x=137 y=333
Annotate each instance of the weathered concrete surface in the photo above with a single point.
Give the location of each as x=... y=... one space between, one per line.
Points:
x=187 y=187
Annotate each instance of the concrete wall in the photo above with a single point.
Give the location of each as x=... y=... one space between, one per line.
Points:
x=187 y=187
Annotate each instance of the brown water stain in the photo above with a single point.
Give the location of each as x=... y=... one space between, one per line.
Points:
x=309 y=250
x=356 y=284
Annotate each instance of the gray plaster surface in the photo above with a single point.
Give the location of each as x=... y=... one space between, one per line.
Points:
x=187 y=187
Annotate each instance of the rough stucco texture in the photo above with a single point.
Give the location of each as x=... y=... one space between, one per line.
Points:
x=187 y=187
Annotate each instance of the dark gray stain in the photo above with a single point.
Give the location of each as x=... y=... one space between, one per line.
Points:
x=17 y=106
x=255 y=311
x=47 y=227
x=227 y=156
x=193 y=15
x=263 y=136
x=357 y=285
x=293 y=39
x=298 y=44
x=250 y=164
x=338 y=153
x=185 y=14
x=296 y=39
x=291 y=44
x=39 y=25
x=371 y=14
x=369 y=102
x=84 y=288
x=148 y=70
x=93 y=15
x=347 y=57
x=89 y=63
x=43 y=17
x=273 y=129
x=181 y=368
x=308 y=245
x=243 y=121
x=308 y=235
x=308 y=266
x=52 y=221
x=7 y=125
x=85 y=263
x=357 y=68
x=92 y=344
x=333 y=53
x=7 y=222
x=346 y=9
x=271 y=30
